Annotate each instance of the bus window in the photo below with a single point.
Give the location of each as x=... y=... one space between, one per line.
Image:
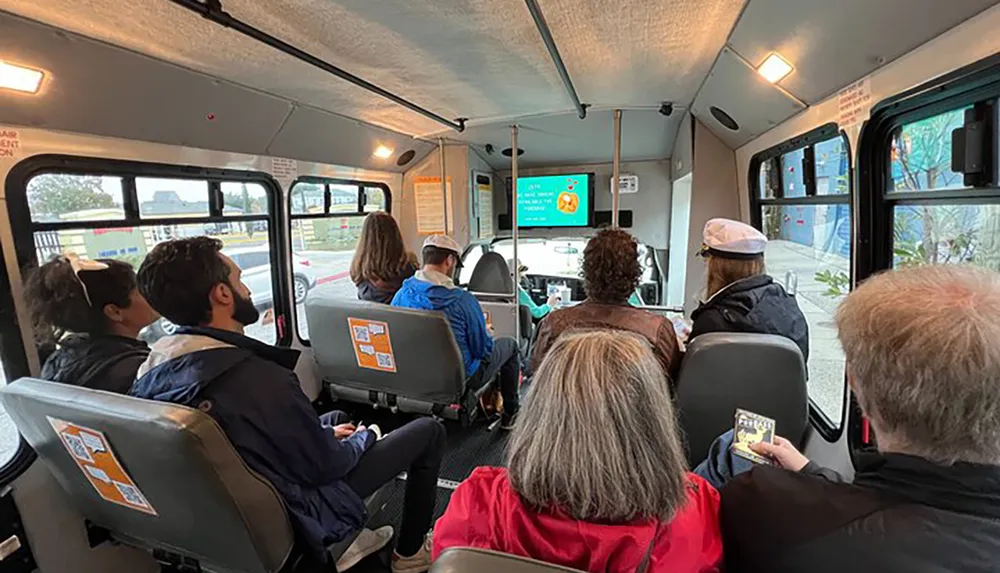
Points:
x=171 y=197
x=9 y=436
x=809 y=251
x=326 y=220
x=65 y=197
x=921 y=154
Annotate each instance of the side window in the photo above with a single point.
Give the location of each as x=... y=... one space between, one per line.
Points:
x=326 y=219
x=809 y=251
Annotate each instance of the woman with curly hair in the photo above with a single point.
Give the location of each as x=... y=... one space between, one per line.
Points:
x=91 y=312
x=611 y=274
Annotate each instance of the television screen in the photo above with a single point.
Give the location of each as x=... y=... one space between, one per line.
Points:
x=555 y=201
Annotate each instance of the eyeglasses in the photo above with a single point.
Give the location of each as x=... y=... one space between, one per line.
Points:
x=78 y=265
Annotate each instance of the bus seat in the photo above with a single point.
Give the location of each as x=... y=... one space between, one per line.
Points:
x=723 y=371
x=468 y=560
x=209 y=505
x=426 y=375
x=491 y=275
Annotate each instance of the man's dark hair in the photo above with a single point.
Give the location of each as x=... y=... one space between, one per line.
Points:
x=436 y=256
x=177 y=277
x=611 y=269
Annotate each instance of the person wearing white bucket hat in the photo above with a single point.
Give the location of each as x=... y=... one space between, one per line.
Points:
x=741 y=297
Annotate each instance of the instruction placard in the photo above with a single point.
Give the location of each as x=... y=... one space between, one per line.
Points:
x=92 y=454
x=431 y=205
x=10 y=143
x=854 y=103
x=372 y=345
x=284 y=170
x=485 y=192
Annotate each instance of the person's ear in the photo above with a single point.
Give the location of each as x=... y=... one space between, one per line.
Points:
x=221 y=294
x=113 y=313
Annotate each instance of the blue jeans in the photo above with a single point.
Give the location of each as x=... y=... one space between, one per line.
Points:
x=505 y=360
x=722 y=465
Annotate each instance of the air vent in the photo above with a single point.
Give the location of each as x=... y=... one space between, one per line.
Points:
x=507 y=152
x=724 y=118
x=406 y=157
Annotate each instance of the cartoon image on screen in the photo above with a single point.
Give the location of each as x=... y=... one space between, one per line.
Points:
x=554 y=201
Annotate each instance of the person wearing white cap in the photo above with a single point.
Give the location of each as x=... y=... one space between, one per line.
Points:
x=741 y=297
x=432 y=288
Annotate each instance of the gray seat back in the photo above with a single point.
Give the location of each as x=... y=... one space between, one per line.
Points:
x=425 y=362
x=491 y=275
x=468 y=560
x=201 y=499
x=723 y=371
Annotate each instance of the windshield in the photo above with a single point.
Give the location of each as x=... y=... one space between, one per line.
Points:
x=553 y=257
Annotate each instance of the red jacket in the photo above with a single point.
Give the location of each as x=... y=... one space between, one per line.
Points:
x=485 y=512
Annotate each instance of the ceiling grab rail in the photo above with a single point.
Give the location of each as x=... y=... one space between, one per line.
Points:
x=615 y=169
x=550 y=45
x=212 y=10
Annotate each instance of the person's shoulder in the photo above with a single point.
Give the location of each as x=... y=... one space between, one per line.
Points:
x=484 y=482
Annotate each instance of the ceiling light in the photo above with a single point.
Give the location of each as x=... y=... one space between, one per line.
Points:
x=21 y=79
x=775 y=68
x=383 y=152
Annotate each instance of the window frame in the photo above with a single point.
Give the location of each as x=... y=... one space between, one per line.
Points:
x=819 y=420
x=23 y=227
x=326 y=214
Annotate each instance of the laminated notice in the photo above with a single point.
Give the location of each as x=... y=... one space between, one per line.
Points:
x=372 y=345
x=92 y=454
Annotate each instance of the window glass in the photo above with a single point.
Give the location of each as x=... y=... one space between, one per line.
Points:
x=171 y=197
x=809 y=252
x=322 y=250
x=10 y=439
x=553 y=257
x=343 y=198
x=243 y=198
x=469 y=264
x=374 y=199
x=307 y=198
x=946 y=234
x=131 y=244
x=832 y=167
x=60 y=197
x=791 y=174
x=921 y=154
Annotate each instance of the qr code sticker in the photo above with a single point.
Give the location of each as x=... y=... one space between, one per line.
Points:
x=77 y=447
x=132 y=495
x=361 y=334
x=384 y=360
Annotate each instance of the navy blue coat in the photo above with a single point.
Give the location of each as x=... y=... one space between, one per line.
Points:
x=249 y=388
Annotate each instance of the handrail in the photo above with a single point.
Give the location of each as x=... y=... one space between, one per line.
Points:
x=550 y=45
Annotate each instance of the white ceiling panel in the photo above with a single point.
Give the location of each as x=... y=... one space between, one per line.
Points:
x=738 y=89
x=834 y=43
x=565 y=139
x=639 y=53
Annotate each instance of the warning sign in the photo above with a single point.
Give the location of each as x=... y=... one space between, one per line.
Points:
x=10 y=143
x=372 y=345
x=91 y=452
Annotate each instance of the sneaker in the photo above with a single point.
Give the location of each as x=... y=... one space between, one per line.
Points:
x=417 y=563
x=366 y=543
x=507 y=421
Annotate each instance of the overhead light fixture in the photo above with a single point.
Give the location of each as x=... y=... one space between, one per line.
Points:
x=383 y=152
x=775 y=68
x=19 y=78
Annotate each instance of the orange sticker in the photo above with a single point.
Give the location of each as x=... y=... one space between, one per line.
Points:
x=489 y=321
x=372 y=345
x=91 y=452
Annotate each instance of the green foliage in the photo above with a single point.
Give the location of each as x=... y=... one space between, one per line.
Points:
x=57 y=194
x=837 y=283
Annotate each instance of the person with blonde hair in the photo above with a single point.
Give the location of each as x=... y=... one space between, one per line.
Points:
x=597 y=480
x=381 y=262
x=923 y=359
x=740 y=295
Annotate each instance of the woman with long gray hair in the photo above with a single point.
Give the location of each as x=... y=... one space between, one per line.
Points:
x=597 y=478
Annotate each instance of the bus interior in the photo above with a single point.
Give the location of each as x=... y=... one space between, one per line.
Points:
x=858 y=135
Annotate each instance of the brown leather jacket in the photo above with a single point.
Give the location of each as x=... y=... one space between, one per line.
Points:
x=657 y=329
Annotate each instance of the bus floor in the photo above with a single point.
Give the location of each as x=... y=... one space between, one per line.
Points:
x=466 y=449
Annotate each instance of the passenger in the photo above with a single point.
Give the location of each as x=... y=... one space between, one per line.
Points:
x=538 y=311
x=381 y=262
x=596 y=480
x=91 y=312
x=741 y=297
x=924 y=363
x=611 y=273
x=432 y=288
x=322 y=472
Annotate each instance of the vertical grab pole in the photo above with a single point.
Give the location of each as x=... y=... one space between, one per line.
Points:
x=513 y=218
x=444 y=184
x=615 y=168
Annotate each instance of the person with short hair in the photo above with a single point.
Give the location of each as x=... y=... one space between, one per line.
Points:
x=924 y=363
x=91 y=313
x=741 y=296
x=381 y=262
x=432 y=288
x=322 y=467
x=597 y=481
x=611 y=274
